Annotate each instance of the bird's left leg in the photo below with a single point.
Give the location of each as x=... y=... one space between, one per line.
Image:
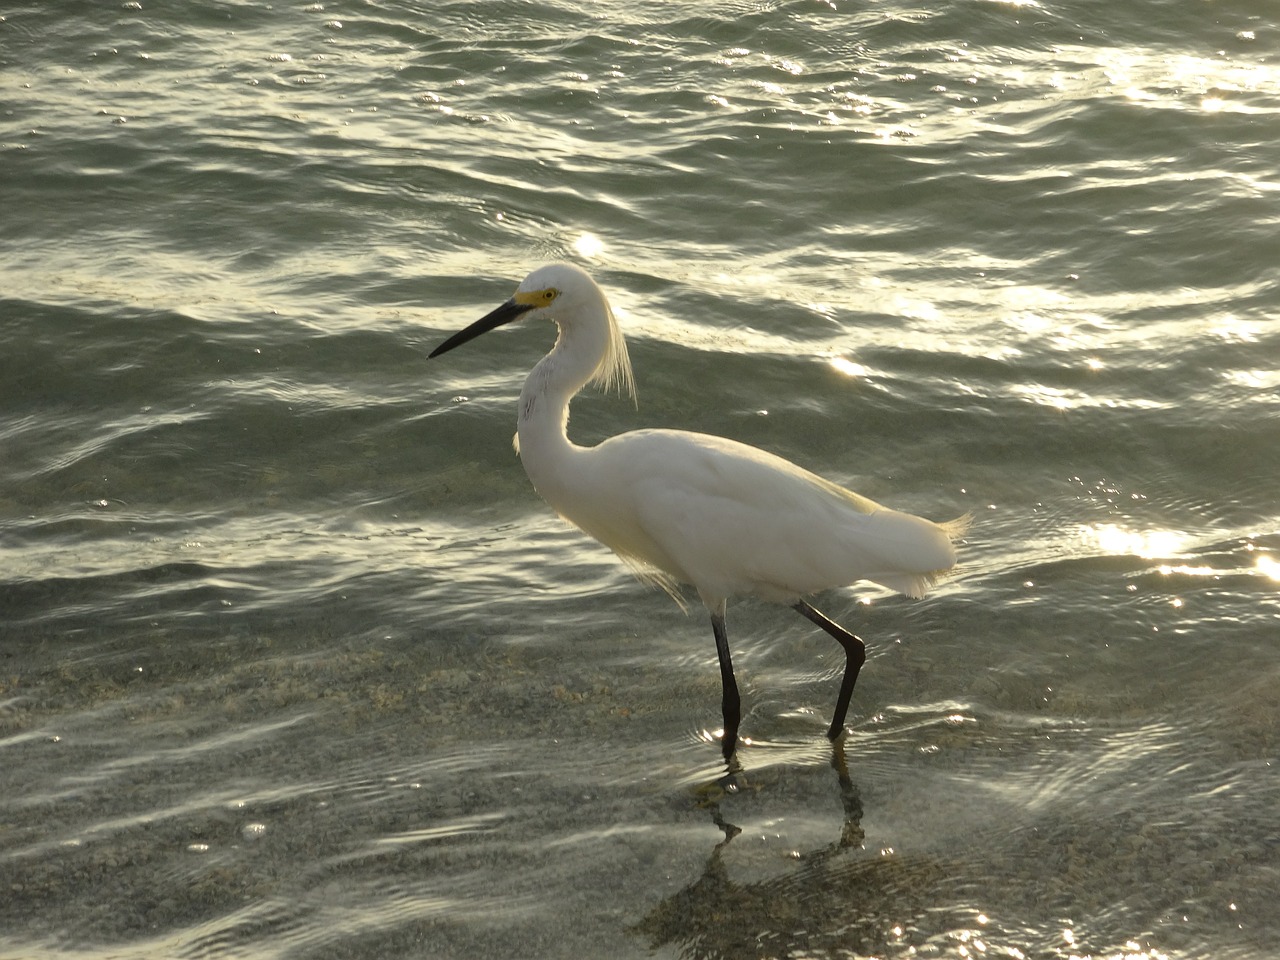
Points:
x=730 y=703
x=855 y=654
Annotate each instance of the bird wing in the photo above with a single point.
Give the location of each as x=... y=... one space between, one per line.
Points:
x=731 y=519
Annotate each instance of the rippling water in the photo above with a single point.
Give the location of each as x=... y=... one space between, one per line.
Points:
x=294 y=663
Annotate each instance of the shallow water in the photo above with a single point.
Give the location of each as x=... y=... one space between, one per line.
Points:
x=294 y=663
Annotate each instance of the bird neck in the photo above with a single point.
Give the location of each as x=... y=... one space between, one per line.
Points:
x=543 y=419
x=542 y=438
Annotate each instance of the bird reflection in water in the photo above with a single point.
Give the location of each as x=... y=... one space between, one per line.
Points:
x=835 y=903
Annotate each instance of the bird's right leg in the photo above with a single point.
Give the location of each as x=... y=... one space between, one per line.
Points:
x=730 y=702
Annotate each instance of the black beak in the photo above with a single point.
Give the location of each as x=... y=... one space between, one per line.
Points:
x=504 y=314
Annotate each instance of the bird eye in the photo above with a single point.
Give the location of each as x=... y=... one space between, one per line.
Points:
x=548 y=295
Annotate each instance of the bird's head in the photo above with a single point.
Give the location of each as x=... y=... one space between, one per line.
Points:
x=568 y=295
x=558 y=290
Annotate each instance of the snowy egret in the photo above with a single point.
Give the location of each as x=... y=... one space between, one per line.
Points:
x=687 y=508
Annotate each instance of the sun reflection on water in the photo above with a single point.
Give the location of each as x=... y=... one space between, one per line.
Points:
x=1206 y=82
x=848 y=367
x=589 y=246
x=1112 y=538
x=1268 y=566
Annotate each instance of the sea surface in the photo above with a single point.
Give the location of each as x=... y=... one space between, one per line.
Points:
x=294 y=663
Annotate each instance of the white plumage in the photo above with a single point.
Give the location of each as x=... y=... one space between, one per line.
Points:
x=687 y=508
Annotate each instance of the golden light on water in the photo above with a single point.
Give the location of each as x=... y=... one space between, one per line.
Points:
x=917 y=309
x=1114 y=539
x=588 y=245
x=1214 y=84
x=1187 y=570
x=1268 y=566
x=847 y=367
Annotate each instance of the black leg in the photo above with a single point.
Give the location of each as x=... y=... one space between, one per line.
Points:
x=730 y=703
x=855 y=654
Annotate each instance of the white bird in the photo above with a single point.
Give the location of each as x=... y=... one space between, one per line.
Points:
x=687 y=508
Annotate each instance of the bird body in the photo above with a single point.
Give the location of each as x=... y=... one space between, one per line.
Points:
x=780 y=532
x=687 y=508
